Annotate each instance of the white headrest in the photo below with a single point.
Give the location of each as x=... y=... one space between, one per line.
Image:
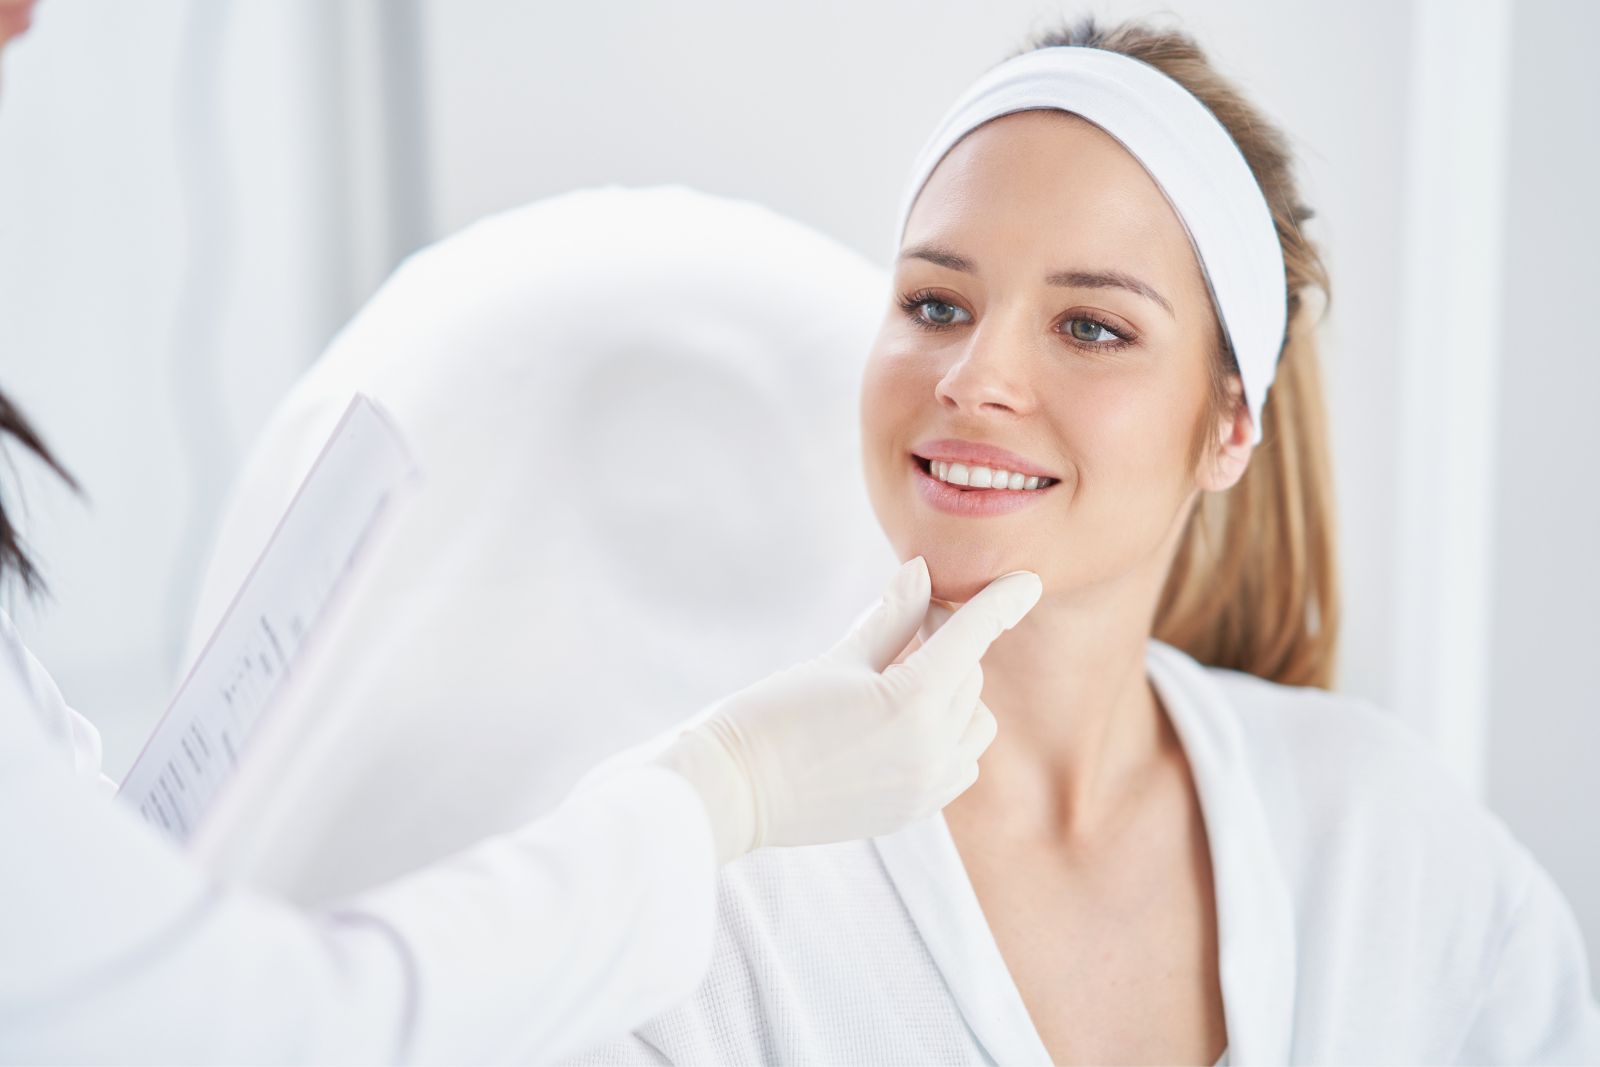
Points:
x=635 y=414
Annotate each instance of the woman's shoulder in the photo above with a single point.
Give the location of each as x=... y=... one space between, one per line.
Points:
x=1349 y=788
x=1342 y=745
x=1403 y=878
x=1339 y=777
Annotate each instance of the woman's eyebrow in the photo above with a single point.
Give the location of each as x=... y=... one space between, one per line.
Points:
x=1108 y=279
x=941 y=256
x=1078 y=279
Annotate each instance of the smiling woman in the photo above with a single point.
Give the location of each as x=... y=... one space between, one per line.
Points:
x=1253 y=584
x=1096 y=363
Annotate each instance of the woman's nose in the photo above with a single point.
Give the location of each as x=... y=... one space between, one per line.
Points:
x=988 y=377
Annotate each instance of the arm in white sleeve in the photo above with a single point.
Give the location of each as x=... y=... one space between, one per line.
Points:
x=114 y=947
x=1539 y=1004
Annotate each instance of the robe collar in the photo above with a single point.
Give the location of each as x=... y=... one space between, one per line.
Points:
x=1255 y=918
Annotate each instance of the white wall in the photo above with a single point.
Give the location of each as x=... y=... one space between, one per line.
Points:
x=92 y=258
x=184 y=222
x=1544 y=736
x=195 y=193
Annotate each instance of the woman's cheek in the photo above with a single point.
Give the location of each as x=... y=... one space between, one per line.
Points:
x=878 y=420
x=1118 y=425
x=874 y=417
x=893 y=388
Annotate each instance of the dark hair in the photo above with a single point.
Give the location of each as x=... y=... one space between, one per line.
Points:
x=14 y=559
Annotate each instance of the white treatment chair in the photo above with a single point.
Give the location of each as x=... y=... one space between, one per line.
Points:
x=635 y=414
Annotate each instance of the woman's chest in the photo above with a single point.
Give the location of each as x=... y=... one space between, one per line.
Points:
x=1114 y=955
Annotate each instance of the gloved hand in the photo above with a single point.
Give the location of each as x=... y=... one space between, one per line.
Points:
x=852 y=744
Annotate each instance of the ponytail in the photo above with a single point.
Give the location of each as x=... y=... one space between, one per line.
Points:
x=1254 y=585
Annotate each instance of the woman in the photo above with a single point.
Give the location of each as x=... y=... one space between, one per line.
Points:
x=116 y=947
x=1178 y=851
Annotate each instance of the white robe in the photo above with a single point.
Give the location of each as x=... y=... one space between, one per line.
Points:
x=1368 y=911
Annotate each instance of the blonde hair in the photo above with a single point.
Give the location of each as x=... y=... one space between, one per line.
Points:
x=1254 y=585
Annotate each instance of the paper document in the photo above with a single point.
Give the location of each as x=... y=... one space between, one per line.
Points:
x=332 y=522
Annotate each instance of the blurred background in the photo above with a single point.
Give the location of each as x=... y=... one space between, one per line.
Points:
x=196 y=194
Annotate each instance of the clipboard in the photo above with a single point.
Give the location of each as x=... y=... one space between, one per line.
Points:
x=236 y=693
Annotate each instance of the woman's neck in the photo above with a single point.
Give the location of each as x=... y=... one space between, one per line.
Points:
x=1080 y=728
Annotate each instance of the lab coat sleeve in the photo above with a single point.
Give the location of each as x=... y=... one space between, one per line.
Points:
x=625 y=880
x=1539 y=1004
x=114 y=947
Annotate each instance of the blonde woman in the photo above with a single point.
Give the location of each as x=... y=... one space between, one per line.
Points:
x=1097 y=363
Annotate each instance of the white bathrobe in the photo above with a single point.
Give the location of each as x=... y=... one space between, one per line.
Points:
x=1368 y=911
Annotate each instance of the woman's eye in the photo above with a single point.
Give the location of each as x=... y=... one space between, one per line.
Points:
x=938 y=313
x=1090 y=332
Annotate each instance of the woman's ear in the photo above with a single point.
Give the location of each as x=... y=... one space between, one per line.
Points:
x=1223 y=464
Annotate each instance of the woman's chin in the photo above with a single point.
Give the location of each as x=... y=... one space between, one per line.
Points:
x=958 y=585
x=959 y=571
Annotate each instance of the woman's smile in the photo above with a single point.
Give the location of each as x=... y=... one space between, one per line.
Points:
x=972 y=502
x=976 y=480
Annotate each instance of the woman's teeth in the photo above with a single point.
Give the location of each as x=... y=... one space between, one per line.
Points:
x=985 y=478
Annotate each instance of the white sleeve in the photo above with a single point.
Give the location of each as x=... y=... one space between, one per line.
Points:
x=1539 y=1005
x=115 y=947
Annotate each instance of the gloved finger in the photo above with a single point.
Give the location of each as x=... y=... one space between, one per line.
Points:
x=945 y=658
x=889 y=628
x=980 y=733
x=966 y=700
x=938 y=614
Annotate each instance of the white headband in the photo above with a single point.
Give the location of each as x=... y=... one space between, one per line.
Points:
x=1184 y=148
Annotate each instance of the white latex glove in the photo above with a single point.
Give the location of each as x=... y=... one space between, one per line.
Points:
x=852 y=744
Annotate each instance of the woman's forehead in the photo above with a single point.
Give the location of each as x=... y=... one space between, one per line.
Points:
x=1038 y=185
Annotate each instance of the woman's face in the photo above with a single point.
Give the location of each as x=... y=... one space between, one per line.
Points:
x=1048 y=319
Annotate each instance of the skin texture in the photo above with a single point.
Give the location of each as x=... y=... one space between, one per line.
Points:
x=1083 y=836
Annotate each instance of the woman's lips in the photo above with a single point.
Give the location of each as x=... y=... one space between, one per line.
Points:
x=972 y=503
x=977 y=454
